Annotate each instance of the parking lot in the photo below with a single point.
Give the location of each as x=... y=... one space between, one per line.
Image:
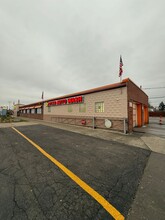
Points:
x=33 y=187
x=156 y=127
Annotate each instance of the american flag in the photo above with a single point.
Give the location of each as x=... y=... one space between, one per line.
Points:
x=120 y=67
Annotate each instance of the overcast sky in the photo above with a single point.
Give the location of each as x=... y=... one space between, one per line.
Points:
x=66 y=46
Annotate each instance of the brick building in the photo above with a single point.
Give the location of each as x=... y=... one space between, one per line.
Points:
x=120 y=106
x=33 y=110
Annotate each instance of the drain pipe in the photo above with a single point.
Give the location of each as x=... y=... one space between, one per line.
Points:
x=93 y=122
x=125 y=126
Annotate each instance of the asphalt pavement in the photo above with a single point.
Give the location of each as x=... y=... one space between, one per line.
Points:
x=34 y=188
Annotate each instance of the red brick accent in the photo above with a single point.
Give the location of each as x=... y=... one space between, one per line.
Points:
x=35 y=116
x=117 y=123
x=136 y=94
x=130 y=119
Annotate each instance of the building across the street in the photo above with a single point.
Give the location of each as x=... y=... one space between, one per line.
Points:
x=3 y=110
x=120 y=106
x=16 y=108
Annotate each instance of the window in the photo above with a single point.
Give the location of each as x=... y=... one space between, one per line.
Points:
x=82 y=107
x=70 y=108
x=99 y=106
x=38 y=110
x=28 y=111
x=33 y=111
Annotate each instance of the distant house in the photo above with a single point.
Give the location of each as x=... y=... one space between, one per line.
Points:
x=16 y=108
x=3 y=110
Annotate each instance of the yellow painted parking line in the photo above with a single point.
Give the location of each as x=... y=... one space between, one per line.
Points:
x=106 y=205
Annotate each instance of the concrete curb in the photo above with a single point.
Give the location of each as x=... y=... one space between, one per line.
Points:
x=136 y=139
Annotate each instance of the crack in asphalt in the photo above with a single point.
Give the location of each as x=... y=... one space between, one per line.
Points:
x=56 y=196
x=28 y=183
x=16 y=204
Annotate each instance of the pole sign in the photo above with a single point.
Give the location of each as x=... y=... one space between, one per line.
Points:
x=66 y=101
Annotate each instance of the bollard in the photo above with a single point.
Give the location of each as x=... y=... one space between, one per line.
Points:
x=160 y=120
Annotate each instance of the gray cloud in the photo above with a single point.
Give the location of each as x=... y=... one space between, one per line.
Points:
x=61 y=47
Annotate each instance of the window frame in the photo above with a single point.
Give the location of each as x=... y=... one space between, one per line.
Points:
x=99 y=107
x=70 y=108
x=82 y=107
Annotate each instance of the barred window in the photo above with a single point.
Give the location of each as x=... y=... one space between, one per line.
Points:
x=82 y=107
x=99 y=106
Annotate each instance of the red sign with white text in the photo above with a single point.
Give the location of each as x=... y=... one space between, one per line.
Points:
x=73 y=100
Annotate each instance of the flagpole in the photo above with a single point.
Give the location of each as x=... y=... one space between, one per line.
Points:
x=42 y=96
x=120 y=68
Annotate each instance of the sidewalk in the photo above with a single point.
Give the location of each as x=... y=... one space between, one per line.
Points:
x=149 y=202
x=143 y=137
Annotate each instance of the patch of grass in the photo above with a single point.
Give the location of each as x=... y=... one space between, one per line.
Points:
x=9 y=119
x=5 y=119
x=19 y=120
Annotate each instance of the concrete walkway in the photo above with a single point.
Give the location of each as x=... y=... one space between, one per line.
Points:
x=143 y=137
x=149 y=203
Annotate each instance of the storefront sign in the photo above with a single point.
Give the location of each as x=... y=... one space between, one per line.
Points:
x=73 y=100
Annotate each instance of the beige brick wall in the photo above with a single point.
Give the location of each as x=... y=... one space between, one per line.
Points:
x=115 y=105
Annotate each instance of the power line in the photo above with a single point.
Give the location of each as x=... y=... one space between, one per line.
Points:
x=161 y=97
x=161 y=87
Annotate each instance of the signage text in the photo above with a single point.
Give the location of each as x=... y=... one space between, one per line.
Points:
x=73 y=100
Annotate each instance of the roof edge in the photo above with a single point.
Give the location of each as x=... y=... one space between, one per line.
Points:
x=123 y=83
x=94 y=90
x=129 y=80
